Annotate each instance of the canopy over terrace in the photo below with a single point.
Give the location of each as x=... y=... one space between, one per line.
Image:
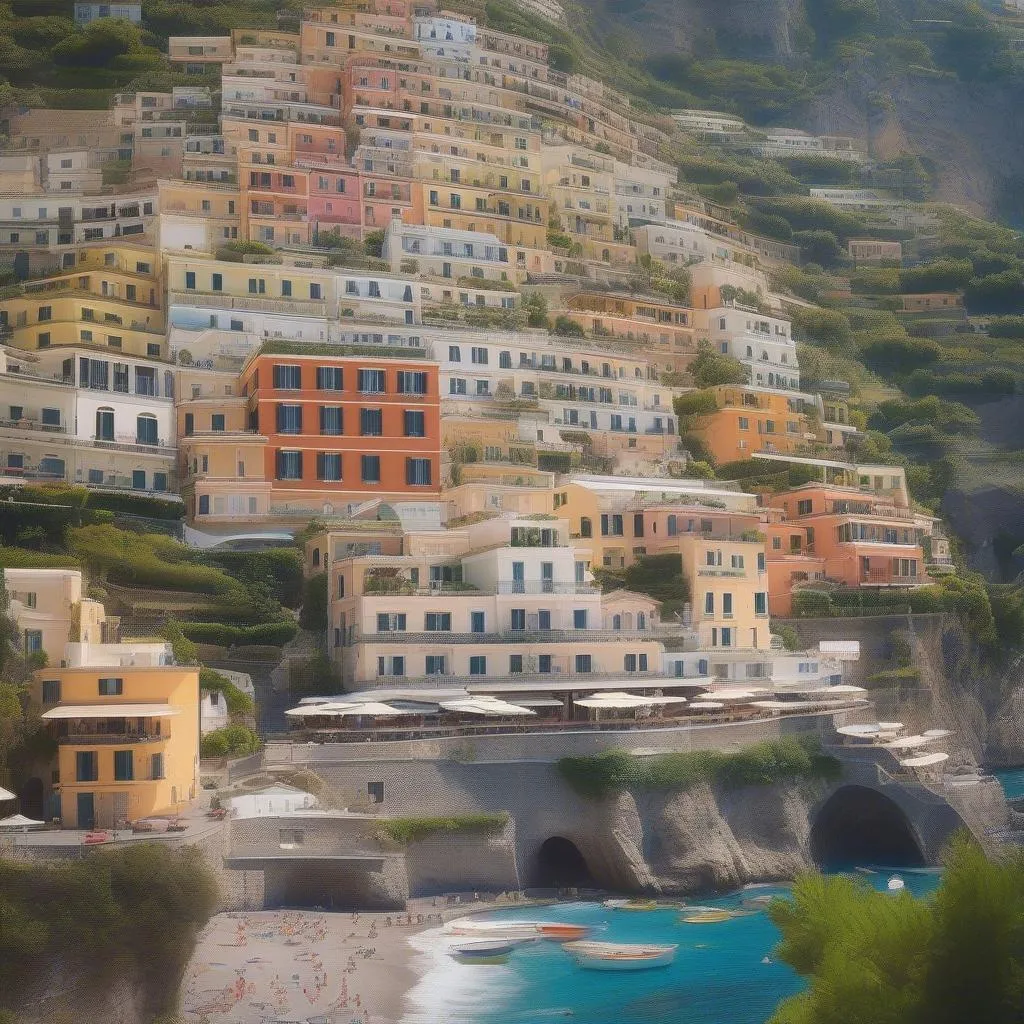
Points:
x=111 y=711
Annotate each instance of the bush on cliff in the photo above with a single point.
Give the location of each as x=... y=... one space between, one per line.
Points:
x=411 y=830
x=760 y=764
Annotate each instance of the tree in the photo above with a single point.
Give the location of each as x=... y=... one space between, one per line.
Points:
x=872 y=958
x=314 y=605
x=711 y=368
x=567 y=328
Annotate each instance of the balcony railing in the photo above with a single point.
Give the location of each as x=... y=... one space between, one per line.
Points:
x=31 y=424
x=545 y=587
x=89 y=739
x=252 y=303
x=131 y=443
x=504 y=636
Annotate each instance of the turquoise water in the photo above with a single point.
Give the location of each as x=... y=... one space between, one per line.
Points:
x=1013 y=783
x=719 y=975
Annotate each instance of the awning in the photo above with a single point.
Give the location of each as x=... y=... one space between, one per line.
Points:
x=670 y=699
x=20 y=821
x=707 y=705
x=737 y=694
x=539 y=702
x=909 y=742
x=862 y=730
x=924 y=760
x=111 y=711
x=312 y=710
x=6 y=795
x=371 y=709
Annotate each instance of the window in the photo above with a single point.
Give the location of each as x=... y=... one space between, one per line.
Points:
x=629 y=663
x=328 y=466
x=727 y=605
x=515 y=664
x=371 y=422
x=287 y=378
x=760 y=603
x=477 y=622
x=289 y=465
x=412 y=383
x=435 y=665
x=803 y=508
x=415 y=423
x=586 y=527
x=434 y=622
x=391 y=622
x=156 y=770
x=216 y=282
x=479 y=355
x=204 y=504
x=51 y=691
x=86 y=766
x=329 y=378
x=611 y=525
x=579 y=618
x=124 y=768
x=583 y=663
x=760 y=560
x=709 y=604
x=478 y=665
x=727 y=636
x=159 y=481
x=217 y=422
x=111 y=687
x=289 y=419
x=138 y=479
x=417 y=472
x=518 y=618
x=331 y=419
x=544 y=619
x=370 y=469
x=454 y=356
x=544 y=664
x=371 y=382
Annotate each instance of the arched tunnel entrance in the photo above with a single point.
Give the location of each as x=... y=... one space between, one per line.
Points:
x=859 y=826
x=560 y=864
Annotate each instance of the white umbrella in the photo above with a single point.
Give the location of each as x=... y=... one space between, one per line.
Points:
x=909 y=742
x=707 y=705
x=667 y=699
x=615 y=700
x=19 y=821
x=484 y=705
x=890 y=726
x=861 y=730
x=374 y=709
x=6 y=794
x=922 y=761
x=736 y=694
x=313 y=710
x=936 y=733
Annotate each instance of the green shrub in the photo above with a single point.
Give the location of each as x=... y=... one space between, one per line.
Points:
x=19 y=558
x=281 y=568
x=761 y=764
x=275 y=634
x=567 y=328
x=940 y=276
x=185 y=652
x=231 y=741
x=695 y=403
x=788 y=636
x=314 y=604
x=711 y=368
x=412 y=830
x=812 y=604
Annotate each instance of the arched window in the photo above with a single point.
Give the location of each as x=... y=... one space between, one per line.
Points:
x=641 y=620
x=104 y=424
x=146 y=429
x=616 y=622
x=505 y=360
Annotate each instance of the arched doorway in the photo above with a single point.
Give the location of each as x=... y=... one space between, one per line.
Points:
x=858 y=826
x=560 y=864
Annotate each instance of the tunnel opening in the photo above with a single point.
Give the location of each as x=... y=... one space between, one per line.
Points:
x=860 y=826
x=560 y=864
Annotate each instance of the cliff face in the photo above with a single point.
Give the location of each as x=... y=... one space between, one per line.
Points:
x=704 y=838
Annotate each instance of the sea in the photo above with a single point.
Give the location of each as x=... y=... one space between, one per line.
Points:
x=724 y=973
x=1013 y=782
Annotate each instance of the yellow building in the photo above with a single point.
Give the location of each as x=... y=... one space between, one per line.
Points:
x=126 y=723
x=106 y=295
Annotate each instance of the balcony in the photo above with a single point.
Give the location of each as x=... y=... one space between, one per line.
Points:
x=545 y=587
x=120 y=739
x=252 y=303
x=33 y=424
x=505 y=636
x=131 y=443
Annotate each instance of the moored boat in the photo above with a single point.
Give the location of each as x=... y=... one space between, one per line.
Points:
x=631 y=904
x=556 y=930
x=615 y=956
x=706 y=917
x=484 y=951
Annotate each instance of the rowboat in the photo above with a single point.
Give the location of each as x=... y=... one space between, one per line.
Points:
x=556 y=930
x=484 y=951
x=707 y=917
x=612 y=956
x=631 y=904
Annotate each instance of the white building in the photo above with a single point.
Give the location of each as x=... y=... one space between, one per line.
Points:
x=446 y=252
x=763 y=343
x=88 y=12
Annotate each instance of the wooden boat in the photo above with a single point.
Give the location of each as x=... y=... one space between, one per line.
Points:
x=556 y=930
x=707 y=917
x=485 y=951
x=631 y=904
x=613 y=956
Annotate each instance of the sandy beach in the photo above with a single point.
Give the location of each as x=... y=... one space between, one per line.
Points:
x=300 y=965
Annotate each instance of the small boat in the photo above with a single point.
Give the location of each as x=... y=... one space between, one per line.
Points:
x=756 y=902
x=707 y=917
x=484 y=951
x=613 y=956
x=630 y=904
x=556 y=930
x=896 y=884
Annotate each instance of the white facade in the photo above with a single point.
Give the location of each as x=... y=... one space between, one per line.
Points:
x=446 y=252
x=640 y=193
x=87 y=12
x=449 y=37
x=763 y=343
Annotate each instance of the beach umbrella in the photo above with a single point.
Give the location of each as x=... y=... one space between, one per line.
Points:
x=707 y=705
x=20 y=821
x=484 y=705
x=921 y=761
x=615 y=700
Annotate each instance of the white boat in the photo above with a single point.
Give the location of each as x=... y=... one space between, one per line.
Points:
x=486 y=951
x=615 y=956
x=639 y=905
x=896 y=884
x=557 y=930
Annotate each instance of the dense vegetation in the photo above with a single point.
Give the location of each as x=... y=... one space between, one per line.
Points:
x=872 y=958
x=412 y=830
x=130 y=914
x=761 y=764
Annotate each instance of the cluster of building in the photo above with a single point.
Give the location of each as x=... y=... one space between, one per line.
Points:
x=483 y=415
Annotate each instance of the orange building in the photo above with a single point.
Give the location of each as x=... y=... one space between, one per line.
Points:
x=852 y=536
x=750 y=419
x=344 y=425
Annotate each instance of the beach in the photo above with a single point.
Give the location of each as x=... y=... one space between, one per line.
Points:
x=301 y=964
